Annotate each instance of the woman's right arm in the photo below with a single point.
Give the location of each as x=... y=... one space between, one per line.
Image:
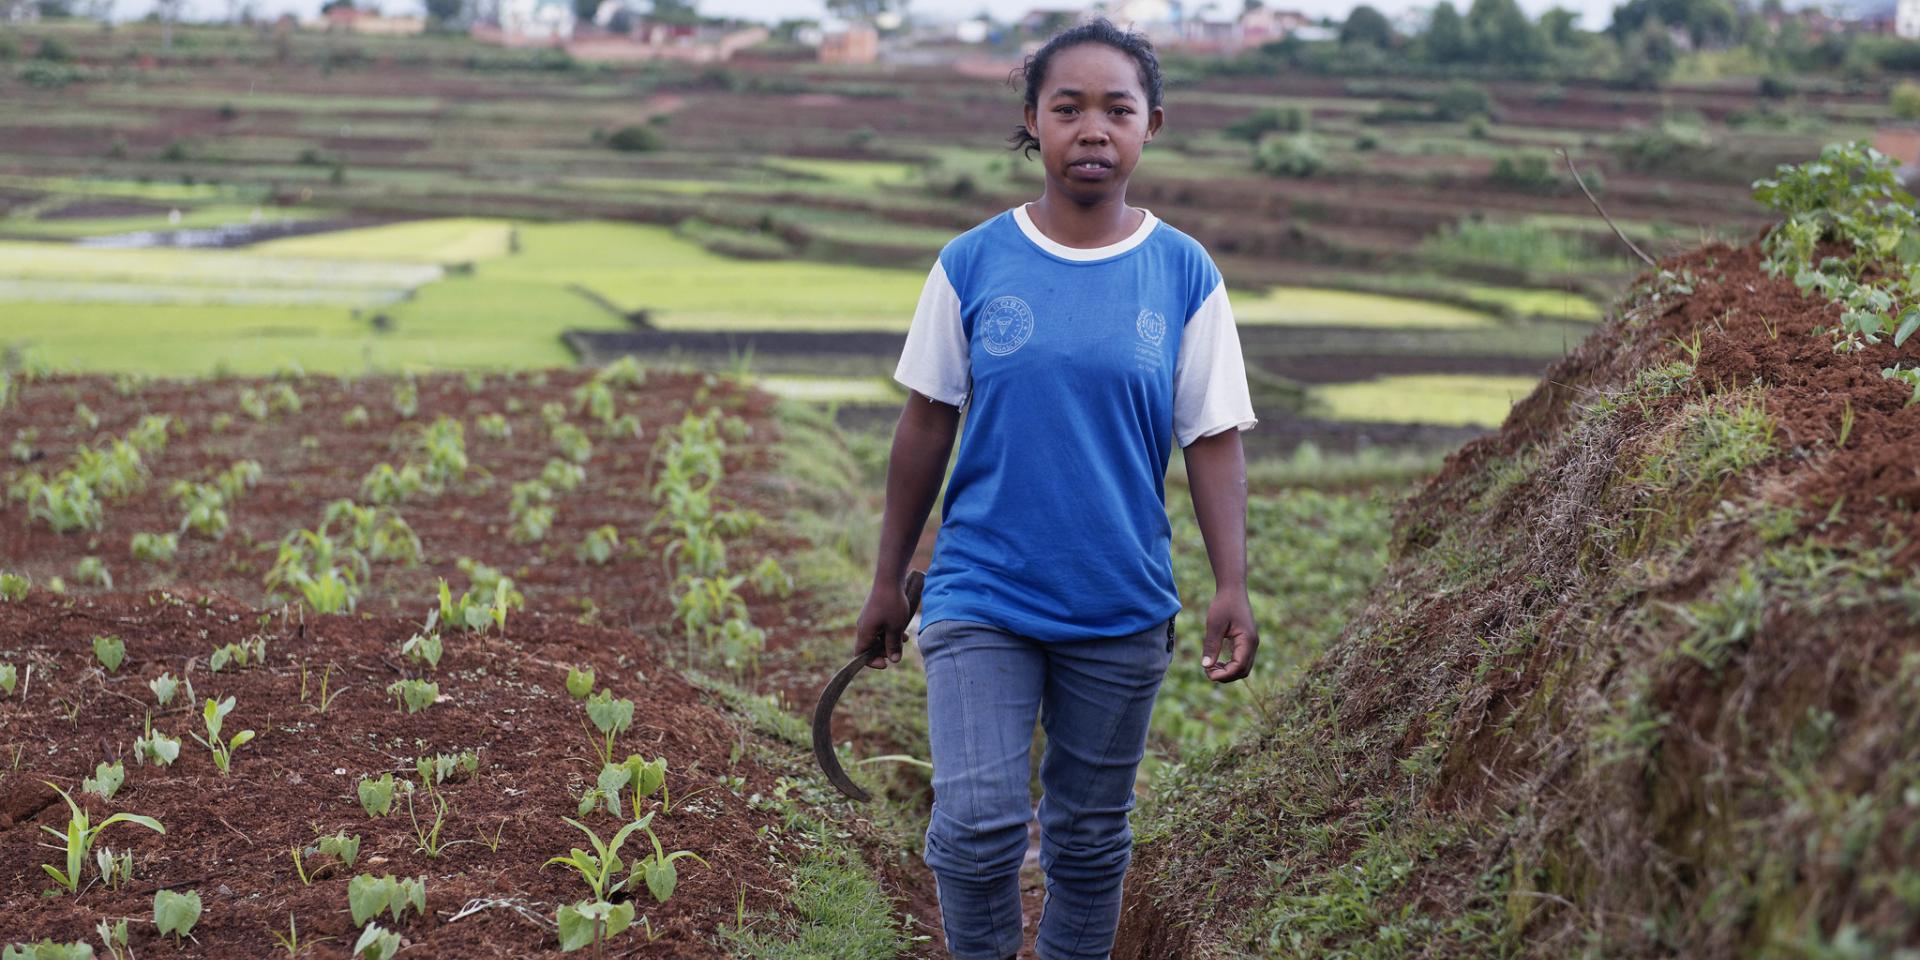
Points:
x=918 y=463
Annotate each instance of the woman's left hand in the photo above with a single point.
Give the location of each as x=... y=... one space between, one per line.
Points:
x=1226 y=649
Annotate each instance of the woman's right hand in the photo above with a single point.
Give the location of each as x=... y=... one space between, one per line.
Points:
x=882 y=625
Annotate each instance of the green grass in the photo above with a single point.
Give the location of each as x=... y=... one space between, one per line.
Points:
x=1559 y=304
x=1455 y=399
x=866 y=174
x=201 y=217
x=162 y=191
x=216 y=268
x=1307 y=306
x=832 y=389
x=445 y=240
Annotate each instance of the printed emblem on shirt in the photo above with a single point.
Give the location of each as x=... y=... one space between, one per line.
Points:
x=1005 y=325
x=1152 y=326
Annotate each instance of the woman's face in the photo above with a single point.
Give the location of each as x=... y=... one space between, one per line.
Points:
x=1091 y=118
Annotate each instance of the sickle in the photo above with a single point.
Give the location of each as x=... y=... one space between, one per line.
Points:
x=823 y=751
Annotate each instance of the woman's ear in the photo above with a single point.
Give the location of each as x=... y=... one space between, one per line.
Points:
x=1155 y=117
x=1033 y=121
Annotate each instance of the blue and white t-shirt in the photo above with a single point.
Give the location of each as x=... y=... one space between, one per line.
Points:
x=1078 y=370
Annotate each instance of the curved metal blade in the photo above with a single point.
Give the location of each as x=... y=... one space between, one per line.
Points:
x=823 y=752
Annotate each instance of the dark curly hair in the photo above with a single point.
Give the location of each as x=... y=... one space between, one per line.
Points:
x=1098 y=30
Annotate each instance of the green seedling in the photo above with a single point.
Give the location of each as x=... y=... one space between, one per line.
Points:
x=47 y=950
x=580 y=682
x=154 y=548
x=164 y=687
x=114 y=870
x=325 y=699
x=658 y=870
x=376 y=796
x=110 y=650
x=601 y=546
x=290 y=941
x=214 y=715
x=9 y=678
x=243 y=654
x=356 y=417
x=406 y=398
x=79 y=837
x=423 y=648
x=598 y=869
x=92 y=570
x=444 y=767
x=611 y=717
x=342 y=847
x=470 y=612
x=428 y=838
x=493 y=426
x=591 y=922
x=369 y=896
x=414 y=695
x=376 y=943
x=14 y=587
x=155 y=746
x=562 y=475
x=114 y=938
x=106 y=780
x=175 y=912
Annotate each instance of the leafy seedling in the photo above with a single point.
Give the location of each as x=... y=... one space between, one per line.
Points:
x=376 y=943
x=601 y=866
x=106 y=780
x=79 y=836
x=580 y=682
x=428 y=838
x=376 y=796
x=164 y=687
x=658 y=870
x=110 y=651
x=611 y=717
x=369 y=896
x=47 y=950
x=114 y=870
x=175 y=912
x=9 y=677
x=114 y=938
x=414 y=695
x=423 y=648
x=213 y=715
x=155 y=746
x=591 y=922
x=290 y=941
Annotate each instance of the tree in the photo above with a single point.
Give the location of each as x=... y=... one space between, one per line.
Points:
x=1368 y=26
x=445 y=11
x=1446 y=39
x=1707 y=22
x=680 y=13
x=1559 y=26
x=1503 y=34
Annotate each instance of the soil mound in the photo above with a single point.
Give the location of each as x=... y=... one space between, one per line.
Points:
x=1642 y=678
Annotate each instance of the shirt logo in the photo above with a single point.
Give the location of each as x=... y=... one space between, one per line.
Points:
x=1005 y=325
x=1152 y=326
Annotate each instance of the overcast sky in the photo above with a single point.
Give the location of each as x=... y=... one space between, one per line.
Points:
x=1595 y=13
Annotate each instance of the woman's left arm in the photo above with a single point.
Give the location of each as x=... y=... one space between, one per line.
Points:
x=1217 y=480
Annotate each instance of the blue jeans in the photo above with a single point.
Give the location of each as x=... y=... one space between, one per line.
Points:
x=1094 y=699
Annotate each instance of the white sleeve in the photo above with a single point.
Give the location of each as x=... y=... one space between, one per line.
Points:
x=934 y=361
x=1210 y=378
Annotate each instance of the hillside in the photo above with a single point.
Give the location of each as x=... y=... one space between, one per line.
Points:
x=1643 y=675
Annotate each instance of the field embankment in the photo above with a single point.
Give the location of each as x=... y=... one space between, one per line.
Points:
x=1641 y=678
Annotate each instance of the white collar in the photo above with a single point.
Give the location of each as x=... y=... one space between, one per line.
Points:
x=1065 y=252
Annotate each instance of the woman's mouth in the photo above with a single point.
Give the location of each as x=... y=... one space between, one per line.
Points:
x=1090 y=169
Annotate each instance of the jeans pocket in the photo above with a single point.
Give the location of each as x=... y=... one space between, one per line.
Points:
x=1170 y=621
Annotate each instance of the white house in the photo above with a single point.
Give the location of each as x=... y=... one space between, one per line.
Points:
x=536 y=21
x=1906 y=19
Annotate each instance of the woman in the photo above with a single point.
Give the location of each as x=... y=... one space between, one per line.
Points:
x=1083 y=337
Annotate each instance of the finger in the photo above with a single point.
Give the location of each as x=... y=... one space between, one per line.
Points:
x=1243 y=646
x=894 y=642
x=872 y=642
x=1213 y=648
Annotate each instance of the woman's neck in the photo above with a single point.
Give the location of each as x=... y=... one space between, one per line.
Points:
x=1070 y=223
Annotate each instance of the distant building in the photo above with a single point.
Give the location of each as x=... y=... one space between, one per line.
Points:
x=977 y=30
x=849 y=42
x=1906 y=19
x=368 y=22
x=528 y=23
x=649 y=40
x=1267 y=24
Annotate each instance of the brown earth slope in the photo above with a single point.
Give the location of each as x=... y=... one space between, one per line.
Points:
x=1642 y=678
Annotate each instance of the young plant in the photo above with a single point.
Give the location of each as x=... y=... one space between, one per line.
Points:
x=423 y=648
x=369 y=896
x=658 y=870
x=114 y=938
x=213 y=715
x=155 y=746
x=376 y=944
x=9 y=678
x=493 y=426
x=580 y=682
x=599 y=868
x=243 y=654
x=446 y=767
x=406 y=398
x=110 y=651
x=591 y=922
x=611 y=717
x=175 y=912
x=601 y=546
x=106 y=780
x=79 y=836
x=48 y=950
x=376 y=796
x=14 y=587
x=325 y=698
x=356 y=417
x=414 y=695
x=92 y=570
x=114 y=871
x=155 y=547
x=290 y=941
x=164 y=687
x=428 y=838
